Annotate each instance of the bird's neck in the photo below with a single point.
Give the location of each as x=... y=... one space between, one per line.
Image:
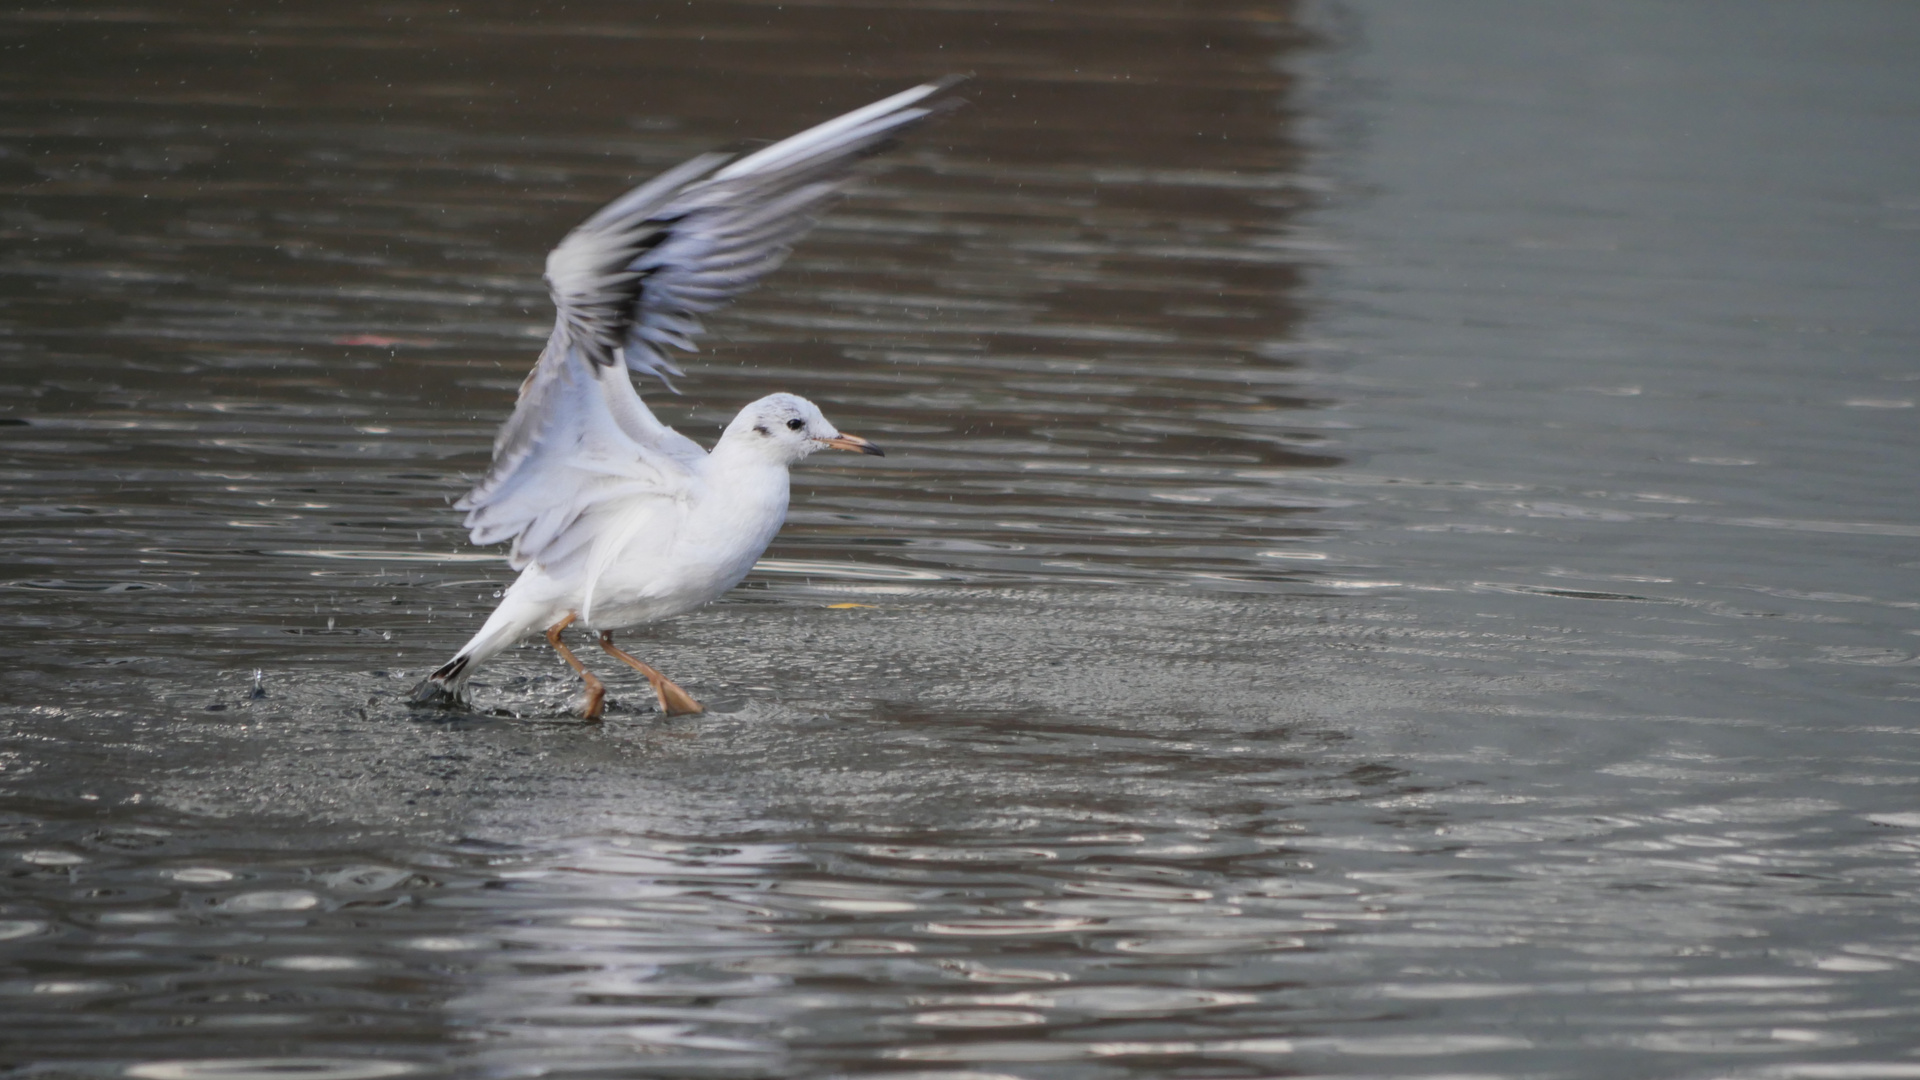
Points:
x=747 y=489
x=740 y=450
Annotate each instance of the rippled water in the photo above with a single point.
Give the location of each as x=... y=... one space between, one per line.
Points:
x=1396 y=558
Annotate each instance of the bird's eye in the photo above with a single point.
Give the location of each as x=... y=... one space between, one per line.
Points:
x=796 y=424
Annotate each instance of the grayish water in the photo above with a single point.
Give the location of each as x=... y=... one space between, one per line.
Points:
x=1397 y=555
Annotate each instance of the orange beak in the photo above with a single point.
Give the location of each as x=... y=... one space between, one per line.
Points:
x=843 y=441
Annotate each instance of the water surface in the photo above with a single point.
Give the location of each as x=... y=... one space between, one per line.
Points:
x=1396 y=555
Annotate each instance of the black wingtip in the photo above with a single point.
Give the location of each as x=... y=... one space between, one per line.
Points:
x=433 y=691
x=429 y=694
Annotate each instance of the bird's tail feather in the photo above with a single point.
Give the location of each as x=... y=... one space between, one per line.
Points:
x=447 y=686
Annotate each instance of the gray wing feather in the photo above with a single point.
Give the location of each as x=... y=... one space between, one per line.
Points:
x=633 y=279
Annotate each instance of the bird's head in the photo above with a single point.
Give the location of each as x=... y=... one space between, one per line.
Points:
x=788 y=427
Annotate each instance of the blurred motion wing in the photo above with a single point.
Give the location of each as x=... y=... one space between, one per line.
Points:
x=567 y=451
x=634 y=278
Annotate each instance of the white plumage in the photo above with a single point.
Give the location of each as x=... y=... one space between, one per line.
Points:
x=615 y=518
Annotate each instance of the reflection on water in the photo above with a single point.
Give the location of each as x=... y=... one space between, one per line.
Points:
x=1364 y=581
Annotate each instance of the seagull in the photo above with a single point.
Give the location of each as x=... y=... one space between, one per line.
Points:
x=616 y=519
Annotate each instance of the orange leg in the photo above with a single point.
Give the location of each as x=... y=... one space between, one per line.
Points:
x=594 y=701
x=673 y=700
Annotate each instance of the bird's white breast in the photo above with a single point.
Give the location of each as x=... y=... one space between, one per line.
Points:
x=715 y=536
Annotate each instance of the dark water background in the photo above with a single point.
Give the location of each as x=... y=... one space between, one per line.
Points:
x=1397 y=555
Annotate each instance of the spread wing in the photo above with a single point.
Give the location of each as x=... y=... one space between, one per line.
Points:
x=565 y=453
x=631 y=281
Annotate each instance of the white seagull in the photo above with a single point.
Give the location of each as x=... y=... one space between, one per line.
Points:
x=616 y=519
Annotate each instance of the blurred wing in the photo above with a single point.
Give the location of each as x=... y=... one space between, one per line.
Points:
x=565 y=454
x=635 y=277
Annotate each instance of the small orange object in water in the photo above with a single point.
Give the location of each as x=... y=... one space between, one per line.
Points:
x=837 y=607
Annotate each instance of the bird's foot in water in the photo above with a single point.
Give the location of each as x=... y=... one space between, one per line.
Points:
x=675 y=701
x=591 y=702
